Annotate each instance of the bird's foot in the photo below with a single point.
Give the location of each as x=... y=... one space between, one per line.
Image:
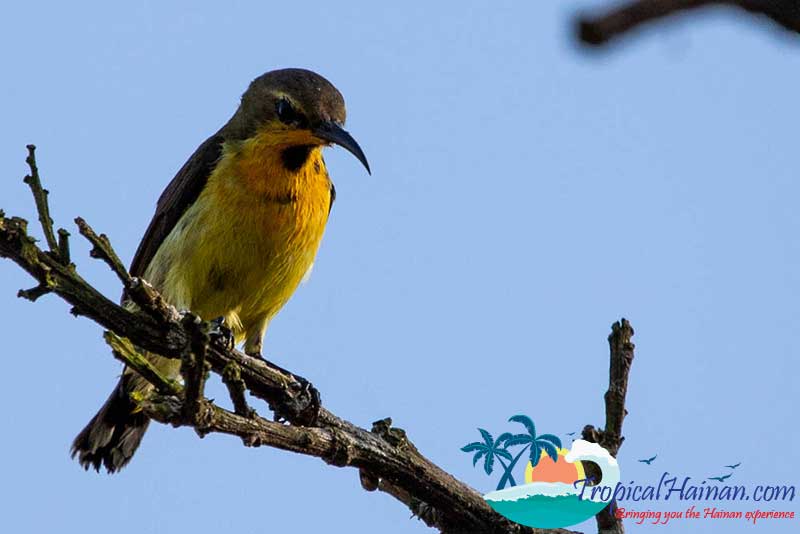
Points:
x=218 y=331
x=302 y=403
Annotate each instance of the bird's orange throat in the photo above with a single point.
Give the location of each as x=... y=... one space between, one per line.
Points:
x=277 y=169
x=249 y=239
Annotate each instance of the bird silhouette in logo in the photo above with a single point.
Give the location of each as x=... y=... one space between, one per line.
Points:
x=649 y=460
x=721 y=479
x=734 y=466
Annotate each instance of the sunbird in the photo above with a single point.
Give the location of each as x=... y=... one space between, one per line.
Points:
x=234 y=233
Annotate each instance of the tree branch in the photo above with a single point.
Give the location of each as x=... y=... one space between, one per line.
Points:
x=611 y=438
x=232 y=378
x=124 y=351
x=101 y=249
x=600 y=29
x=193 y=367
x=40 y=197
x=384 y=456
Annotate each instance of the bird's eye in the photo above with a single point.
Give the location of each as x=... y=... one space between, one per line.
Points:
x=286 y=112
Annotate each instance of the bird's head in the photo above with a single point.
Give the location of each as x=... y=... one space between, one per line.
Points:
x=293 y=108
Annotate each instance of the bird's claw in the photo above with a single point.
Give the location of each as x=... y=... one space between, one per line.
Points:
x=309 y=401
x=219 y=332
x=304 y=387
x=303 y=403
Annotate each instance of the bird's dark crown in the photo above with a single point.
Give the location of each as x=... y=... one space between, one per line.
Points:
x=294 y=98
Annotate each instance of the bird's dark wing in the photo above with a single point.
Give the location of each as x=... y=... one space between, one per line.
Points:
x=181 y=192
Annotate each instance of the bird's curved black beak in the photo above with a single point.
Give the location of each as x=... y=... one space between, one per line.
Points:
x=333 y=133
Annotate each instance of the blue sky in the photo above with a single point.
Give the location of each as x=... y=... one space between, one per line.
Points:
x=525 y=194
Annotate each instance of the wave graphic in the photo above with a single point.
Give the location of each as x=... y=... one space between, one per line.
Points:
x=557 y=504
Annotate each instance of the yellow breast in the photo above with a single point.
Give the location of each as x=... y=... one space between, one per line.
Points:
x=243 y=247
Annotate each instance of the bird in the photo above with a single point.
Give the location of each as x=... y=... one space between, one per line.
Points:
x=649 y=460
x=722 y=478
x=234 y=233
x=734 y=466
x=570 y=433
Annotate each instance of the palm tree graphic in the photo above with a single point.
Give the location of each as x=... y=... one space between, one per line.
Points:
x=536 y=444
x=489 y=450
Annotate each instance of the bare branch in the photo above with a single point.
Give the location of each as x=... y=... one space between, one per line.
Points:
x=63 y=246
x=102 y=249
x=33 y=293
x=150 y=301
x=232 y=378
x=193 y=366
x=385 y=454
x=40 y=197
x=610 y=438
x=598 y=30
x=124 y=351
x=621 y=347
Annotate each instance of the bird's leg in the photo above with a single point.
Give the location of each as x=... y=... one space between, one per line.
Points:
x=219 y=331
x=302 y=405
x=254 y=343
x=303 y=385
x=305 y=407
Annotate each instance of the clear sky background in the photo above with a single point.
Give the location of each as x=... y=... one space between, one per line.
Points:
x=525 y=195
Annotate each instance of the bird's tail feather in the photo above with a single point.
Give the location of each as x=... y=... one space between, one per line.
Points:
x=114 y=433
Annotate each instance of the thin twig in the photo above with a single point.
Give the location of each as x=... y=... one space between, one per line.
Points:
x=598 y=30
x=232 y=378
x=33 y=293
x=63 y=246
x=40 y=197
x=124 y=351
x=193 y=366
x=102 y=249
x=150 y=301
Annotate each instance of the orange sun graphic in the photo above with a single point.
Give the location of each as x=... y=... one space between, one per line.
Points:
x=549 y=471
